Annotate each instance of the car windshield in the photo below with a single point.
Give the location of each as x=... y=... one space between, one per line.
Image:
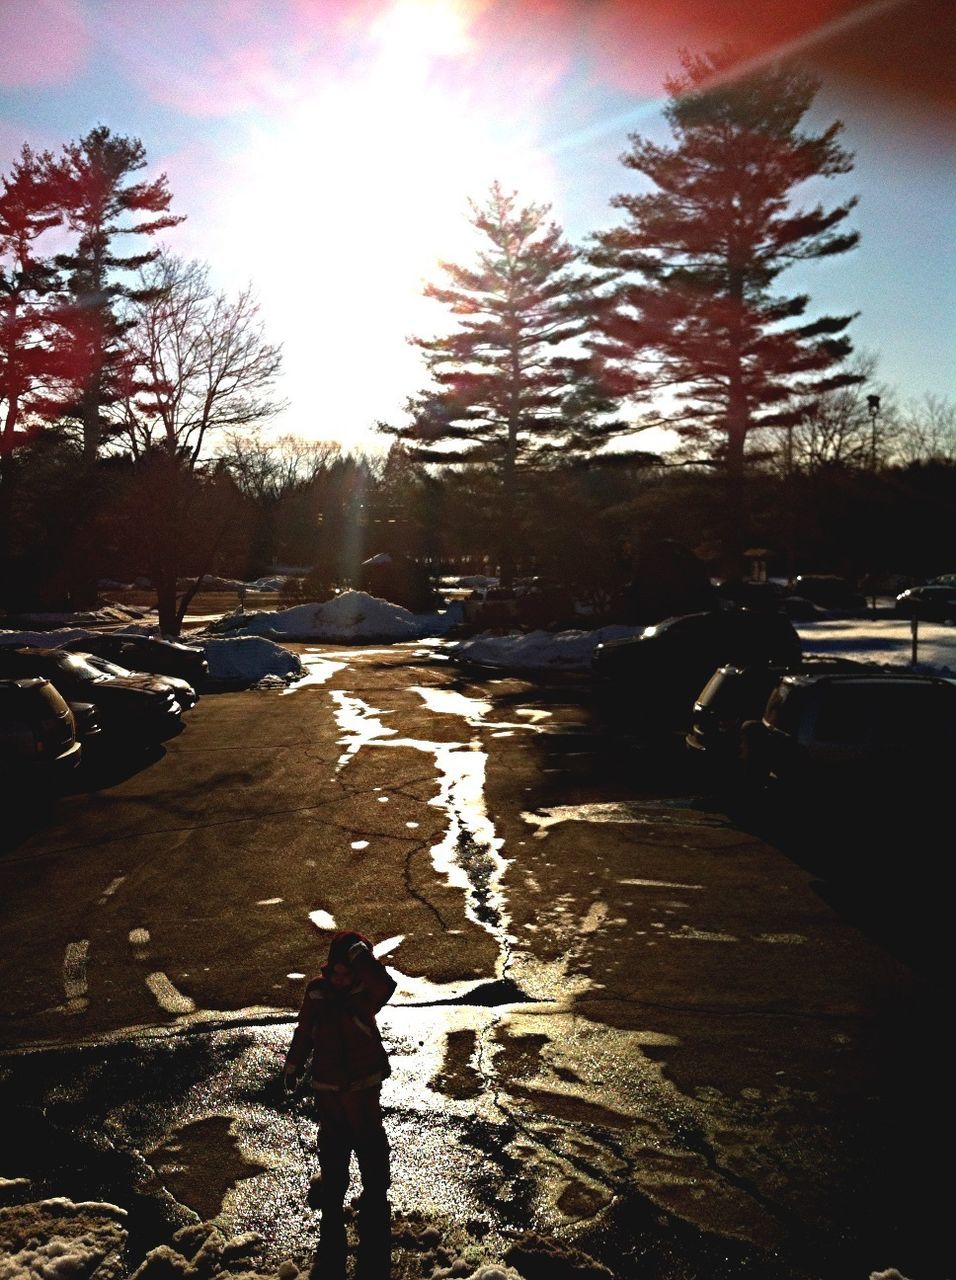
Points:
x=80 y=665
x=110 y=668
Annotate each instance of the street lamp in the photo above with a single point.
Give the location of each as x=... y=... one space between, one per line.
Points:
x=873 y=409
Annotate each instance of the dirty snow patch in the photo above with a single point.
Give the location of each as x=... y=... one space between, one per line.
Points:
x=561 y=650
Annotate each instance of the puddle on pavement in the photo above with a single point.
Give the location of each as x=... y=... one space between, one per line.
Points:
x=448 y=702
x=676 y=812
x=474 y=711
x=468 y=856
x=319 y=670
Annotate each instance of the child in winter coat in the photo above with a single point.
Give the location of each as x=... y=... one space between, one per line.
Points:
x=337 y=1027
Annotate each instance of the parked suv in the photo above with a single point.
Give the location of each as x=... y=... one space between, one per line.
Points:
x=126 y=708
x=735 y=694
x=655 y=676
x=932 y=603
x=37 y=732
x=875 y=730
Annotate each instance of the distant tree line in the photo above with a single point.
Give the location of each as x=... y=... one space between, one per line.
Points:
x=135 y=396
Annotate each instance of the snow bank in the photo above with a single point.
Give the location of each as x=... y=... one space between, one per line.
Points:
x=351 y=616
x=45 y=639
x=882 y=640
x=110 y=613
x=60 y=1240
x=241 y=658
x=250 y=658
x=561 y=650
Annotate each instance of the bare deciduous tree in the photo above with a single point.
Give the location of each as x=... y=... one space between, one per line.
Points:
x=841 y=429
x=203 y=361
x=267 y=470
x=927 y=430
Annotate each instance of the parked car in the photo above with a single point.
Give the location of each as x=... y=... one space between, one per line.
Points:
x=38 y=738
x=655 y=676
x=830 y=591
x=88 y=727
x=885 y=732
x=146 y=653
x=768 y=595
x=184 y=693
x=735 y=694
x=134 y=708
x=932 y=603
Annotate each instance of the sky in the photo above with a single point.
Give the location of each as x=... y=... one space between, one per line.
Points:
x=326 y=151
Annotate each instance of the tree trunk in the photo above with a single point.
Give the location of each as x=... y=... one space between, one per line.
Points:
x=165 y=583
x=506 y=534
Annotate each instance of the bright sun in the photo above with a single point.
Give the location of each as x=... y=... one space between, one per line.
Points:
x=341 y=208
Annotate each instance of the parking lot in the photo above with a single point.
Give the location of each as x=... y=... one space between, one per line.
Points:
x=684 y=1037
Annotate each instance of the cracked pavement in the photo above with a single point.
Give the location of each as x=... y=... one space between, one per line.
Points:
x=624 y=1020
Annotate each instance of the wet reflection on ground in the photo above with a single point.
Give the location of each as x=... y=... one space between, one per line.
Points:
x=582 y=1087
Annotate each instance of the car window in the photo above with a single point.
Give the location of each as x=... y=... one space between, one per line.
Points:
x=883 y=714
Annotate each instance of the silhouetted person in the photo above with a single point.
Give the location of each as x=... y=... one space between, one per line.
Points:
x=337 y=1027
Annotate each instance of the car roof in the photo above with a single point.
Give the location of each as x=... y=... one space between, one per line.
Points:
x=809 y=680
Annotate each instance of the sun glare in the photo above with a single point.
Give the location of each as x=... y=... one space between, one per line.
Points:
x=413 y=30
x=342 y=208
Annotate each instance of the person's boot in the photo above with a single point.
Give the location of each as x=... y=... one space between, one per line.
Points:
x=330 y=1257
x=375 y=1238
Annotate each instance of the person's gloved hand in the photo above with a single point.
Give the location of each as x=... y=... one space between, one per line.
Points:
x=356 y=949
x=290 y=1081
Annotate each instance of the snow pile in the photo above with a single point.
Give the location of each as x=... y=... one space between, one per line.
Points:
x=45 y=639
x=60 y=1240
x=351 y=616
x=210 y=582
x=250 y=658
x=881 y=640
x=109 y=613
x=562 y=650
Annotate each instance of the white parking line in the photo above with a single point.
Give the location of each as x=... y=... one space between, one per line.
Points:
x=74 y=976
x=167 y=997
x=110 y=890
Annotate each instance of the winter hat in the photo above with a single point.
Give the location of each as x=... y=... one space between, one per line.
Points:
x=341 y=945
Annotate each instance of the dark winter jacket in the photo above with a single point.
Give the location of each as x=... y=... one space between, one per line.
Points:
x=337 y=1026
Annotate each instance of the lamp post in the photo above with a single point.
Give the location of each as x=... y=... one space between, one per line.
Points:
x=873 y=409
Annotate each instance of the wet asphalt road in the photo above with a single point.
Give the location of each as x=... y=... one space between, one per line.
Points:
x=631 y=1016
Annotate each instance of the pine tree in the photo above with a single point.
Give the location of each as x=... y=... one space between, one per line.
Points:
x=511 y=390
x=706 y=247
x=97 y=194
x=28 y=284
